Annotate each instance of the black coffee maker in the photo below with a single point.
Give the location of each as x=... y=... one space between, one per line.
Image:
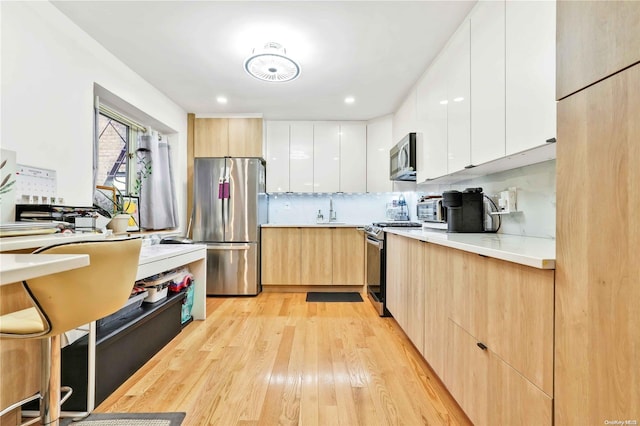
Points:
x=465 y=210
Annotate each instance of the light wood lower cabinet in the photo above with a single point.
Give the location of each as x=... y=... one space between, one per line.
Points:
x=316 y=259
x=509 y=308
x=448 y=301
x=348 y=256
x=312 y=256
x=280 y=249
x=490 y=391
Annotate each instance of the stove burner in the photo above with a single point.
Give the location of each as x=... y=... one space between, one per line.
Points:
x=397 y=224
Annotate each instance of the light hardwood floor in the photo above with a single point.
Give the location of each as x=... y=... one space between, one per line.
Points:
x=277 y=360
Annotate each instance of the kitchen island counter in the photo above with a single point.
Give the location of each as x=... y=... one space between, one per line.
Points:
x=530 y=251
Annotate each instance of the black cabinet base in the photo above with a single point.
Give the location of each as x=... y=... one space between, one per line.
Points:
x=122 y=347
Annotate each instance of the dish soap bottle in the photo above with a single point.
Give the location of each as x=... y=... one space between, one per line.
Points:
x=320 y=217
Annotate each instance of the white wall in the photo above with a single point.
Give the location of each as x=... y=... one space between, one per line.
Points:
x=49 y=67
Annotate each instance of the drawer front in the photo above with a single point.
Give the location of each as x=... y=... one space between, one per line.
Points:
x=490 y=391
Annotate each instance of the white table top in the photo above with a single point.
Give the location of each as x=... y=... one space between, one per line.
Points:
x=530 y=251
x=19 y=267
x=36 y=241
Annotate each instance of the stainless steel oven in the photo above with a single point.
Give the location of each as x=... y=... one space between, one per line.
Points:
x=376 y=276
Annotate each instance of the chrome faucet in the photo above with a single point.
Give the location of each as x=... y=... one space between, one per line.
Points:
x=332 y=213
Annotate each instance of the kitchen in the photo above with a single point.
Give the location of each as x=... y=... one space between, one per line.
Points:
x=50 y=61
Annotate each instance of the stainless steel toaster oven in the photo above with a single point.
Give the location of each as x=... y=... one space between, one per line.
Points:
x=431 y=210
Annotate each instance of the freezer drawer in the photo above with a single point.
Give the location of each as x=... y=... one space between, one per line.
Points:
x=232 y=269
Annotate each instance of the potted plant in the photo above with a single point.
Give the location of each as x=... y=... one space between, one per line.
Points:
x=118 y=211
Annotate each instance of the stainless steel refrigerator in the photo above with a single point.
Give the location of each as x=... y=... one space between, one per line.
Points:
x=230 y=204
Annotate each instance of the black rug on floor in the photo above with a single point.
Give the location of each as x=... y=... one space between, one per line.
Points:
x=319 y=296
x=127 y=419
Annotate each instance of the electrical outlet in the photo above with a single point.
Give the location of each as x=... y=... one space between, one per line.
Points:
x=507 y=201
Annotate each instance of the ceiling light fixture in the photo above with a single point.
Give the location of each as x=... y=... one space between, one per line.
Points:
x=271 y=63
x=221 y=100
x=349 y=100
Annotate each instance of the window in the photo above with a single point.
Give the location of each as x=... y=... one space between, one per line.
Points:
x=113 y=147
x=117 y=139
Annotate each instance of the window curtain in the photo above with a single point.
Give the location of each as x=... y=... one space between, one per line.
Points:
x=154 y=182
x=96 y=144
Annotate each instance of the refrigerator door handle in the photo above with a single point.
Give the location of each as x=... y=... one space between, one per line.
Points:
x=230 y=247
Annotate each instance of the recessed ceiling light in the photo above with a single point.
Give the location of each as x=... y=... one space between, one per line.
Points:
x=458 y=99
x=349 y=100
x=444 y=102
x=221 y=100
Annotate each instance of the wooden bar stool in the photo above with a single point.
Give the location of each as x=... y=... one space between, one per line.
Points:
x=67 y=300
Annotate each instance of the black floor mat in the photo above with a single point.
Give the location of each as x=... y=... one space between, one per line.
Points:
x=333 y=297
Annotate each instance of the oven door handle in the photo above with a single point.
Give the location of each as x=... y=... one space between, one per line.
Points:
x=376 y=243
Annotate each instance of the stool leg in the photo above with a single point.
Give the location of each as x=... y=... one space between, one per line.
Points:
x=50 y=381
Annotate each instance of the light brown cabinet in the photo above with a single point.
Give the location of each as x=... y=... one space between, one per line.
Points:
x=228 y=137
x=509 y=308
x=280 y=249
x=316 y=259
x=448 y=301
x=597 y=326
x=490 y=391
x=598 y=274
x=312 y=256
x=348 y=256
x=595 y=39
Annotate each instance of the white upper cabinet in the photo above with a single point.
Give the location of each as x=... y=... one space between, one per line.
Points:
x=277 y=156
x=301 y=157
x=458 y=62
x=431 y=118
x=353 y=157
x=487 y=81
x=530 y=74
x=379 y=143
x=326 y=157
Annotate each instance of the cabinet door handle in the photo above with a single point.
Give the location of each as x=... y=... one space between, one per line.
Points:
x=551 y=140
x=482 y=346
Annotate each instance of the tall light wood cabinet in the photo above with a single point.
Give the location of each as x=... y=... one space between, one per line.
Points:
x=228 y=137
x=595 y=40
x=598 y=273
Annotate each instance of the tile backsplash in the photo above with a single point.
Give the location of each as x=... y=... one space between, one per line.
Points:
x=536 y=200
x=536 y=197
x=358 y=209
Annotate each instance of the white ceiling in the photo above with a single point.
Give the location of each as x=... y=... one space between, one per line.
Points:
x=193 y=51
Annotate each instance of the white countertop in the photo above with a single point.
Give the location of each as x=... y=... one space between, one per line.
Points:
x=44 y=240
x=530 y=251
x=313 y=225
x=156 y=252
x=18 y=267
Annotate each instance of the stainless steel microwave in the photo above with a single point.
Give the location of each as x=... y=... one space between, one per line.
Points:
x=403 y=159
